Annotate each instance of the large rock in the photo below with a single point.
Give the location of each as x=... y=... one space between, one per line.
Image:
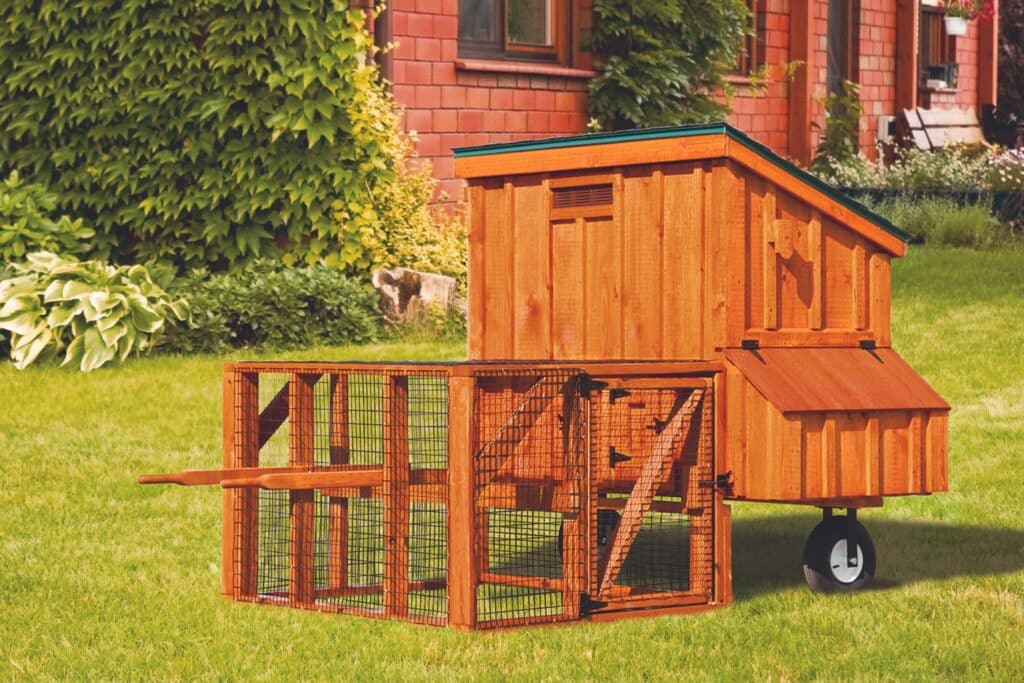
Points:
x=405 y=292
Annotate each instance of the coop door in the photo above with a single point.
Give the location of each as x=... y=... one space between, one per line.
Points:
x=651 y=518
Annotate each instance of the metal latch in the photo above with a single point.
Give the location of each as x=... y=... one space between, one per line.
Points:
x=722 y=482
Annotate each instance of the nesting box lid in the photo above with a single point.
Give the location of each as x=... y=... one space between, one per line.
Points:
x=703 y=142
x=835 y=379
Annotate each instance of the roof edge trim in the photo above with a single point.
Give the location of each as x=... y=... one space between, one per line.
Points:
x=694 y=130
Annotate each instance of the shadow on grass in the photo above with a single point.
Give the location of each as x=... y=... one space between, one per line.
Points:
x=768 y=552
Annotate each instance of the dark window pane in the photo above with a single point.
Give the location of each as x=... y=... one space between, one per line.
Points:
x=476 y=20
x=529 y=22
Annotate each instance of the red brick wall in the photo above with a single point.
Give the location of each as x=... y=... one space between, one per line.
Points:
x=966 y=95
x=451 y=106
x=765 y=115
x=877 y=68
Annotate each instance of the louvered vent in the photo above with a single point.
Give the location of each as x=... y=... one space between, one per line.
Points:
x=587 y=195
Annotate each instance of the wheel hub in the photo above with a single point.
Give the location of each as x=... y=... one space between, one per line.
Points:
x=842 y=569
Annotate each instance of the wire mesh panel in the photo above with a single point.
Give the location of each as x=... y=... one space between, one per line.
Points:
x=577 y=496
x=651 y=449
x=352 y=515
x=528 y=478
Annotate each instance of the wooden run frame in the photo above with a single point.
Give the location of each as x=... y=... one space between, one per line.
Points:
x=509 y=435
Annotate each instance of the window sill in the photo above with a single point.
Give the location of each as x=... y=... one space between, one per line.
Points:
x=940 y=91
x=737 y=79
x=525 y=68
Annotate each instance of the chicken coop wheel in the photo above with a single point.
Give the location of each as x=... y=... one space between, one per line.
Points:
x=827 y=563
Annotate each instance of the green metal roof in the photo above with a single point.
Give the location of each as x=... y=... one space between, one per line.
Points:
x=694 y=130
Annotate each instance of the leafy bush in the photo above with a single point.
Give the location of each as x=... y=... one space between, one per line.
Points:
x=204 y=133
x=93 y=312
x=418 y=235
x=1006 y=170
x=957 y=167
x=661 y=60
x=277 y=306
x=27 y=222
x=843 y=111
x=942 y=221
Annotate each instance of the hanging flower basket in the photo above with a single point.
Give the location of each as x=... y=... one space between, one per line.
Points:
x=956 y=26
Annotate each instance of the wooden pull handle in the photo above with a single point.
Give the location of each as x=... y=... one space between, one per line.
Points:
x=162 y=479
x=272 y=478
x=363 y=476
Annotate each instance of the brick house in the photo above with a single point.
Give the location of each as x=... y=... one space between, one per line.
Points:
x=472 y=72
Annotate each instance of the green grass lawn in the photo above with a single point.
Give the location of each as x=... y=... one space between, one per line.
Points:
x=101 y=578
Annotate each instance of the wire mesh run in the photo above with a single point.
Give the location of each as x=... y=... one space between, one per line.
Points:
x=353 y=516
x=579 y=496
x=528 y=471
x=651 y=450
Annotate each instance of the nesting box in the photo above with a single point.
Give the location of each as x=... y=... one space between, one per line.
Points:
x=699 y=243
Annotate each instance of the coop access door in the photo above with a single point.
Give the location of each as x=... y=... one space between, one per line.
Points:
x=594 y=496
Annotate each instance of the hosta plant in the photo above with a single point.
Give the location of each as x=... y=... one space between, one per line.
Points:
x=89 y=311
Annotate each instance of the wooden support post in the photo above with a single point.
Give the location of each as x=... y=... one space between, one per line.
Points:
x=859 y=286
x=702 y=528
x=245 y=427
x=988 y=59
x=801 y=49
x=228 y=498
x=462 y=566
x=396 y=496
x=908 y=25
x=816 y=252
x=300 y=449
x=771 y=260
x=574 y=542
x=878 y=284
x=338 y=518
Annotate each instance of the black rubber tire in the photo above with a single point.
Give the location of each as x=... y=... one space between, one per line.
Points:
x=817 y=557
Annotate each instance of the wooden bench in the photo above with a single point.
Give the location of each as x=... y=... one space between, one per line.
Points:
x=937 y=128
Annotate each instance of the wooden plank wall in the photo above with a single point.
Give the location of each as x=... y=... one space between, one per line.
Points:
x=647 y=279
x=691 y=258
x=809 y=281
x=808 y=456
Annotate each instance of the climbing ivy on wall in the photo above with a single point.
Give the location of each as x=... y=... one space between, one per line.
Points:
x=200 y=131
x=661 y=60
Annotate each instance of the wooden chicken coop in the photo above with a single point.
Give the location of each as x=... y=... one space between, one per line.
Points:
x=699 y=243
x=659 y=321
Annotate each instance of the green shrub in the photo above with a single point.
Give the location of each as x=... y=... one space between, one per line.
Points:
x=841 y=142
x=93 y=312
x=418 y=235
x=201 y=133
x=660 y=61
x=943 y=221
x=950 y=167
x=276 y=306
x=28 y=223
